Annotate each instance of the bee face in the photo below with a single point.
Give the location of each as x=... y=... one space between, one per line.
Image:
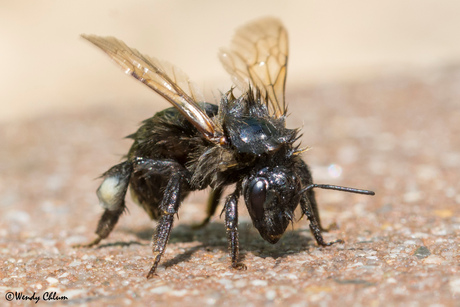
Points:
x=271 y=198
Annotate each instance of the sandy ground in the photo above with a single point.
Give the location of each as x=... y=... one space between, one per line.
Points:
x=397 y=135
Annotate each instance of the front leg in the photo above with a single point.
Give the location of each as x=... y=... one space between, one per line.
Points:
x=231 y=222
x=307 y=179
x=177 y=184
x=315 y=226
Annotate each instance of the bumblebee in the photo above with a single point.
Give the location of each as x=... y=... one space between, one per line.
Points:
x=243 y=143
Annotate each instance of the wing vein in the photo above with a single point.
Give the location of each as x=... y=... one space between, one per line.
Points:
x=257 y=57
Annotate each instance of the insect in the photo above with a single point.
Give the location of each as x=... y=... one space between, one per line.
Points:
x=243 y=143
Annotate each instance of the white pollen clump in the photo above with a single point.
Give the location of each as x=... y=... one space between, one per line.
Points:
x=108 y=192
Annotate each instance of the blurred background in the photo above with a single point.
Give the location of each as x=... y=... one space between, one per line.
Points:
x=375 y=85
x=47 y=67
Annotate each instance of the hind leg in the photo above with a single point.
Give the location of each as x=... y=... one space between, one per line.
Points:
x=111 y=194
x=177 y=186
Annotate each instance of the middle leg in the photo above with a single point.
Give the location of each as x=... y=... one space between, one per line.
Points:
x=213 y=202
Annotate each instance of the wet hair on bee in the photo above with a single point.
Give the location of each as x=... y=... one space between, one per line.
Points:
x=243 y=142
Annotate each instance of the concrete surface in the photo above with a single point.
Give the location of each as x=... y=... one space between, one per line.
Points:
x=375 y=86
x=397 y=135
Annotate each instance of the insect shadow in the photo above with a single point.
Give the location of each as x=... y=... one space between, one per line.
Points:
x=213 y=237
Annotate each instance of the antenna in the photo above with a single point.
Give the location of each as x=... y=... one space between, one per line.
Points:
x=338 y=188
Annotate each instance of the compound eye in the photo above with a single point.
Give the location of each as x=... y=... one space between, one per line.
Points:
x=257 y=196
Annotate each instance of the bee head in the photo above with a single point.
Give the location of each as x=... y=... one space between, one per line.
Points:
x=271 y=198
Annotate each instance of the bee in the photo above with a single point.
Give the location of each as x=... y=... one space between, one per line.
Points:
x=243 y=143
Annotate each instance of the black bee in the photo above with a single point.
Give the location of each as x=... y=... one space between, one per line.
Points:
x=242 y=142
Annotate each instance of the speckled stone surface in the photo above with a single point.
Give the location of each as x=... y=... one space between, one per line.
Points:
x=397 y=135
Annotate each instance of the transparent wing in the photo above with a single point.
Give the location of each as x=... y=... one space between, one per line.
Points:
x=258 y=56
x=165 y=79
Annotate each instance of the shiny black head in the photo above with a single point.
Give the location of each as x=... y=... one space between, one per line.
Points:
x=271 y=196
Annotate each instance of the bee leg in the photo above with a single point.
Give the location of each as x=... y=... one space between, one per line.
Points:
x=178 y=180
x=111 y=194
x=315 y=211
x=231 y=222
x=310 y=194
x=105 y=226
x=315 y=227
x=170 y=206
x=213 y=202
